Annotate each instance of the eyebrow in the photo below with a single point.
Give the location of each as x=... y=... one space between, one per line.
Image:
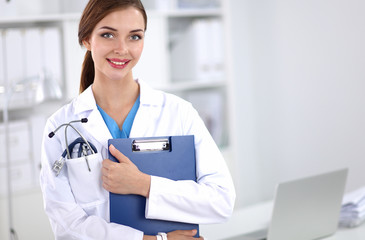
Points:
x=109 y=28
x=115 y=30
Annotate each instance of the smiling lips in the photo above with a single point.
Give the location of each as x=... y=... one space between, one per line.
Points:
x=118 y=63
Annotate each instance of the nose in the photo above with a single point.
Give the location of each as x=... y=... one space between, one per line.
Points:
x=121 y=47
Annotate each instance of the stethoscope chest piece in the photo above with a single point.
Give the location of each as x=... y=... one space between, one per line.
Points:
x=58 y=165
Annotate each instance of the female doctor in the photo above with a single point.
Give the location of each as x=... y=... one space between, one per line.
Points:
x=116 y=105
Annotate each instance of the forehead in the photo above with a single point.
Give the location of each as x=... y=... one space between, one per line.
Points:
x=123 y=19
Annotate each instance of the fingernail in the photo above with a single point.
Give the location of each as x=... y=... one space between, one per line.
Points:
x=111 y=147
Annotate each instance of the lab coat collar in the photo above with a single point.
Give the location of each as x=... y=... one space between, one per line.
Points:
x=150 y=101
x=149 y=96
x=85 y=101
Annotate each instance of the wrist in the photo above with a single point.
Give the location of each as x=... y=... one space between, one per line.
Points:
x=148 y=237
x=145 y=182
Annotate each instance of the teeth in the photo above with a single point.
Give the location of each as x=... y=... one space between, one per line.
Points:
x=118 y=63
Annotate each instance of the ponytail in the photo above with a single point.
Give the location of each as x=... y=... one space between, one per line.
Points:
x=87 y=72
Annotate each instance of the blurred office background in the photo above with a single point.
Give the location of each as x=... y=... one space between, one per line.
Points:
x=279 y=83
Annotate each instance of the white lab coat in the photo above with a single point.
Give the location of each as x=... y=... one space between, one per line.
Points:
x=77 y=204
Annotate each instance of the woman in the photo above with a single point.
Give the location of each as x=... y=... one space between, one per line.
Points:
x=116 y=105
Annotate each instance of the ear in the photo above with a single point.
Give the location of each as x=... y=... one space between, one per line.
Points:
x=87 y=44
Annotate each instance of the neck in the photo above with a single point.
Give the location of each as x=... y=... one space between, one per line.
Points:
x=114 y=96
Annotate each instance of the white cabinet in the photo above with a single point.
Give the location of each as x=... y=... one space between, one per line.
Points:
x=184 y=54
x=21 y=157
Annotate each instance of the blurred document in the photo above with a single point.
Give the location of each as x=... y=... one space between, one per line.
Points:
x=353 y=209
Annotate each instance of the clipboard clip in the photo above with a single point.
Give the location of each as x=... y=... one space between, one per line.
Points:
x=150 y=145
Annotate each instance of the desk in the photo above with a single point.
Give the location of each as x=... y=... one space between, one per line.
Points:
x=257 y=217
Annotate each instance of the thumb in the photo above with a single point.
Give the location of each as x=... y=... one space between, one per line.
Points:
x=118 y=155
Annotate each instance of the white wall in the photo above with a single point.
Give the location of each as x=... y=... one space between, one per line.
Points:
x=299 y=70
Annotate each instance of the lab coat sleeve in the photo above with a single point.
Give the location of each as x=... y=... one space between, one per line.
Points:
x=68 y=219
x=210 y=199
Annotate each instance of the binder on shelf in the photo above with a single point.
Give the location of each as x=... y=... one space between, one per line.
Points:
x=210 y=105
x=52 y=53
x=33 y=49
x=14 y=65
x=171 y=157
x=14 y=48
x=160 y=5
x=197 y=55
x=2 y=63
x=196 y=4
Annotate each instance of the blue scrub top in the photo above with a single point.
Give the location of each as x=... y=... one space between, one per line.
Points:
x=127 y=125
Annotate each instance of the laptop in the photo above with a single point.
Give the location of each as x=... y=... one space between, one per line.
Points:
x=304 y=209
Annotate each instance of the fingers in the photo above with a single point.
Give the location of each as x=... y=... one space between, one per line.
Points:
x=186 y=233
x=107 y=165
x=190 y=232
x=118 y=155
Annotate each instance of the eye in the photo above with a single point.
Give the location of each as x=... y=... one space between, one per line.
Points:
x=107 y=35
x=136 y=37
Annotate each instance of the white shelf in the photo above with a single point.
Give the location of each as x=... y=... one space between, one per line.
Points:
x=47 y=18
x=193 y=85
x=36 y=19
x=186 y=12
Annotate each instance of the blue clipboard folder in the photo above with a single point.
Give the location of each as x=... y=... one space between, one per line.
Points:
x=171 y=157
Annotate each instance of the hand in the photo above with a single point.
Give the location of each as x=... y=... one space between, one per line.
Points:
x=177 y=235
x=183 y=235
x=124 y=177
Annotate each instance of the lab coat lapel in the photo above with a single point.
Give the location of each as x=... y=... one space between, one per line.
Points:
x=141 y=124
x=96 y=127
x=144 y=124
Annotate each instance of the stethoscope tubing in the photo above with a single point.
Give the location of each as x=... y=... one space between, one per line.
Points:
x=85 y=146
x=81 y=142
x=83 y=120
x=78 y=132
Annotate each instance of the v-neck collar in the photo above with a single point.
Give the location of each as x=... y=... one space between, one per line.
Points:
x=113 y=127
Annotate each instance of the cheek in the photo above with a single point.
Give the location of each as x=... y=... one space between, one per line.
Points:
x=98 y=51
x=137 y=50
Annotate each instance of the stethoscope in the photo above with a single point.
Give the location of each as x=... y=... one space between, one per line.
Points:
x=84 y=147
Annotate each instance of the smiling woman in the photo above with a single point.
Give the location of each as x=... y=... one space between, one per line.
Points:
x=118 y=45
x=90 y=22
x=119 y=106
x=116 y=48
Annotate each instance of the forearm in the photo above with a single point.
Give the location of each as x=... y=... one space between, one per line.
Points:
x=187 y=201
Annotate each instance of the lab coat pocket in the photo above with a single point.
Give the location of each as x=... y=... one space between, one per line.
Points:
x=86 y=185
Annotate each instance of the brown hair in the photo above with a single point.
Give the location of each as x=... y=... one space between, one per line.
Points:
x=93 y=13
